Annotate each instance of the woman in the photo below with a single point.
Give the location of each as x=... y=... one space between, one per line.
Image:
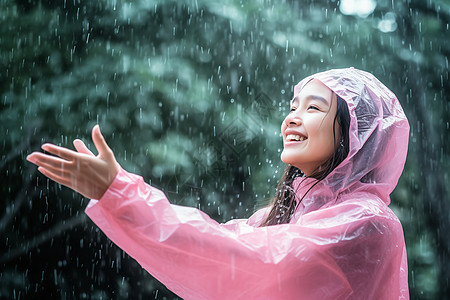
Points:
x=333 y=235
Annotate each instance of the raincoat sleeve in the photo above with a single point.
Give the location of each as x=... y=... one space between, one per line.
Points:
x=323 y=257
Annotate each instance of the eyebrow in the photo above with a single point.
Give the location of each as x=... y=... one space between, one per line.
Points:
x=311 y=97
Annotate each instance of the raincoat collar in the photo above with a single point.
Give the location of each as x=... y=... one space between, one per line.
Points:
x=302 y=186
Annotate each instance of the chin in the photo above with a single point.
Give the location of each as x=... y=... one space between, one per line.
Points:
x=283 y=157
x=287 y=159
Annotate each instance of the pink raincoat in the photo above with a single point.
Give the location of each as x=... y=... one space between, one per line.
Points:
x=343 y=241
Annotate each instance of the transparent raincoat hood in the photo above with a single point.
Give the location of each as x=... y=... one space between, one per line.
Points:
x=379 y=133
x=343 y=242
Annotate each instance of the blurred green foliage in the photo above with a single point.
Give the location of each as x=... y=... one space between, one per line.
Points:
x=191 y=94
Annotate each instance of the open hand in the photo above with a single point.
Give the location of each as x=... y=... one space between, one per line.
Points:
x=79 y=170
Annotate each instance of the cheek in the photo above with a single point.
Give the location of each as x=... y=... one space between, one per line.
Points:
x=334 y=139
x=327 y=138
x=332 y=136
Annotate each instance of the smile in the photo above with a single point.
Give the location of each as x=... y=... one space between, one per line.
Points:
x=295 y=138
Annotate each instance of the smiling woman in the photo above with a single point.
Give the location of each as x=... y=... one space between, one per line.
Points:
x=315 y=136
x=328 y=234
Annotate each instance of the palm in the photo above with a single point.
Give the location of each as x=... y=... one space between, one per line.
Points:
x=79 y=170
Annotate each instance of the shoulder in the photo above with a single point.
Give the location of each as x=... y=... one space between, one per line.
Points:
x=355 y=216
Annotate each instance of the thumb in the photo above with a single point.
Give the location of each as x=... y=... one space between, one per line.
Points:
x=81 y=147
x=100 y=143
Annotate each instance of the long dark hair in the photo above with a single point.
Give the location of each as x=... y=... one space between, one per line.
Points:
x=284 y=204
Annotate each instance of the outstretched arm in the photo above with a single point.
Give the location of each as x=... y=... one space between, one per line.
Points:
x=332 y=253
x=79 y=170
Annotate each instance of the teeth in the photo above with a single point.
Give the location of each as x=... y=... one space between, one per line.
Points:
x=294 y=137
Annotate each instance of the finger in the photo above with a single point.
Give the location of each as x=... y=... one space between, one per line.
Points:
x=33 y=157
x=81 y=147
x=39 y=158
x=54 y=177
x=99 y=141
x=60 y=170
x=60 y=151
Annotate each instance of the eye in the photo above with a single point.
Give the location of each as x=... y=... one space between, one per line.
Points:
x=313 y=107
x=293 y=108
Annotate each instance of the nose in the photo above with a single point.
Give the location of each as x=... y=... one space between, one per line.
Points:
x=292 y=119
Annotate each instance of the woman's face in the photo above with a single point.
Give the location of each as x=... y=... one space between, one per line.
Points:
x=308 y=129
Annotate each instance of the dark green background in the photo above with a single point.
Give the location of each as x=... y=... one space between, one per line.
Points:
x=191 y=94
